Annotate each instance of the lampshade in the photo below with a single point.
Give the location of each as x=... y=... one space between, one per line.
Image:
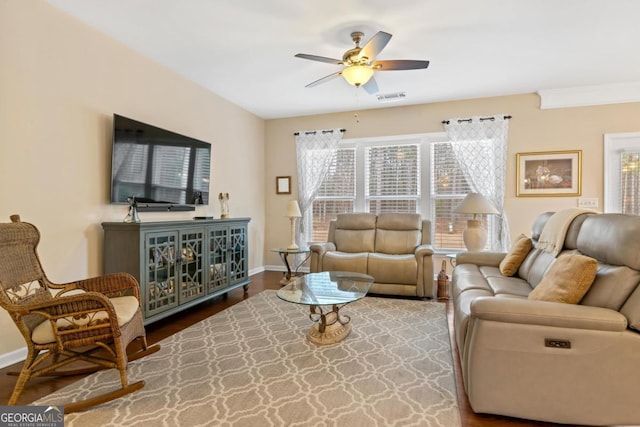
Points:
x=475 y=203
x=357 y=75
x=293 y=210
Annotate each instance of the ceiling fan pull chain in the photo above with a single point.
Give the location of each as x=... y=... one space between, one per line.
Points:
x=357 y=98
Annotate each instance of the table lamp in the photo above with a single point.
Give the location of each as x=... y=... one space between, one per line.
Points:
x=293 y=212
x=475 y=235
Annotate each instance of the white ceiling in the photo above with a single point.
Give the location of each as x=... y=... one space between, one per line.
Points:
x=243 y=50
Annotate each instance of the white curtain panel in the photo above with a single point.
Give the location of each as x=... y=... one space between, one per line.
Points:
x=315 y=152
x=480 y=147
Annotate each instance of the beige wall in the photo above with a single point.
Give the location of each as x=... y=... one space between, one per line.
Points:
x=530 y=129
x=60 y=83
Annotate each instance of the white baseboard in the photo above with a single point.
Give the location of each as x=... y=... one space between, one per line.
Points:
x=283 y=268
x=256 y=271
x=13 y=357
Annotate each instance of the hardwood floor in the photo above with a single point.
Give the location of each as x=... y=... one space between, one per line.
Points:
x=267 y=280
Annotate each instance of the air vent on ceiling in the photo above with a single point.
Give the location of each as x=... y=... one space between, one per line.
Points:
x=391 y=97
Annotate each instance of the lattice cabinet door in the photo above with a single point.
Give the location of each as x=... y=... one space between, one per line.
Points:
x=191 y=271
x=238 y=253
x=160 y=293
x=218 y=258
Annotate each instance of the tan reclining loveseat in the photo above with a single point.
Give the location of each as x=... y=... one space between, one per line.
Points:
x=393 y=248
x=553 y=361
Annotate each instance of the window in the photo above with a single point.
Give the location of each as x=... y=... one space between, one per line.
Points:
x=413 y=174
x=392 y=178
x=622 y=173
x=630 y=183
x=448 y=189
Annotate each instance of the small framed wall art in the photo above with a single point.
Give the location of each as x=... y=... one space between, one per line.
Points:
x=549 y=173
x=283 y=185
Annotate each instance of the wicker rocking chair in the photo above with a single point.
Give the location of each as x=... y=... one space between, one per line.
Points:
x=91 y=320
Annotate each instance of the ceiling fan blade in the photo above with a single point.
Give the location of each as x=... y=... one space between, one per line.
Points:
x=324 y=79
x=371 y=86
x=319 y=58
x=399 y=64
x=375 y=45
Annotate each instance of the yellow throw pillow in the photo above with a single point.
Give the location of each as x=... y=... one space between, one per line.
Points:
x=567 y=280
x=515 y=256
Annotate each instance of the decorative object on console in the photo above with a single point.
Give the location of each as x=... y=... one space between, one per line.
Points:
x=132 y=215
x=475 y=235
x=224 y=205
x=293 y=212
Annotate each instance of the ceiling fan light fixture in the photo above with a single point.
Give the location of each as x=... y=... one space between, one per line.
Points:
x=357 y=75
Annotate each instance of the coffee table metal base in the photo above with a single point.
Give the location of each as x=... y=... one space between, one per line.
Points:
x=329 y=327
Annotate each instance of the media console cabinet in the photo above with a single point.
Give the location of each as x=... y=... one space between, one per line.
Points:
x=179 y=263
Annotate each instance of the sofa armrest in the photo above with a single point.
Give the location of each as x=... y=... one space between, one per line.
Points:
x=543 y=313
x=423 y=251
x=317 y=253
x=425 y=286
x=491 y=259
x=322 y=247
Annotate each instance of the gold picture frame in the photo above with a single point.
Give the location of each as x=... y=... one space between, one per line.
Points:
x=283 y=185
x=549 y=174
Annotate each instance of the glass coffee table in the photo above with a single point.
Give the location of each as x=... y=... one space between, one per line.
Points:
x=333 y=289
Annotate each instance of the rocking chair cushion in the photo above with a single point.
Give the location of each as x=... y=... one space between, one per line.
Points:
x=125 y=307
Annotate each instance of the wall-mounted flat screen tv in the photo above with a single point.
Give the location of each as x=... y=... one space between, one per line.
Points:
x=159 y=168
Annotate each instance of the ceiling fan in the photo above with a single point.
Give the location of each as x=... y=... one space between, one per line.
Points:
x=359 y=62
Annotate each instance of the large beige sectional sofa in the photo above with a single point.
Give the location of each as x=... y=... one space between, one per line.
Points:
x=393 y=248
x=553 y=361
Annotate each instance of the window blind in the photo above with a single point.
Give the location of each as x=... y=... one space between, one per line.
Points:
x=630 y=183
x=448 y=188
x=392 y=178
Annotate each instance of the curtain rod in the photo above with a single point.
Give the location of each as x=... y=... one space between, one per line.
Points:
x=313 y=132
x=446 y=122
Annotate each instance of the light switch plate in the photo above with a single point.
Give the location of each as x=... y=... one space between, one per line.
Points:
x=588 y=202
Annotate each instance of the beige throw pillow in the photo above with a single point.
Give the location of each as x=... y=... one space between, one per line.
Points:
x=567 y=280
x=515 y=256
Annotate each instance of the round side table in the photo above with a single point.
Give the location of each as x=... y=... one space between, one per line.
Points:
x=284 y=253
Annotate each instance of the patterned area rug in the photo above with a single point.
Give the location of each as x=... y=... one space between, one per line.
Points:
x=251 y=365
